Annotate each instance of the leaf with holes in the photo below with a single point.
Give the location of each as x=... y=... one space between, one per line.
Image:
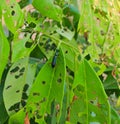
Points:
x=13 y=15
x=17 y=118
x=90 y=103
x=21 y=48
x=4 y=51
x=18 y=82
x=48 y=8
x=48 y=89
x=69 y=55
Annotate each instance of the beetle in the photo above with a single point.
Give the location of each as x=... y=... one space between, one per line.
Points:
x=55 y=58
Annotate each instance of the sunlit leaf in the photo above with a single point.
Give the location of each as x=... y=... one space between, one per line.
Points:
x=91 y=104
x=4 y=51
x=13 y=15
x=18 y=82
x=48 y=90
x=48 y=8
x=17 y=118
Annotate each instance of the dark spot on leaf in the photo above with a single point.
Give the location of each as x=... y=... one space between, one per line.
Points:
x=11 y=6
x=25 y=34
x=17 y=76
x=92 y=102
x=28 y=44
x=24 y=95
x=43 y=100
x=36 y=94
x=43 y=82
x=53 y=46
x=26 y=86
x=17 y=91
x=14 y=70
x=13 y=13
x=15 y=107
x=87 y=57
x=41 y=44
x=37 y=104
x=66 y=51
x=79 y=57
x=78 y=122
x=38 y=116
x=8 y=87
x=11 y=108
x=21 y=74
x=59 y=80
x=60 y=74
x=65 y=29
x=22 y=69
x=30 y=111
x=32 y=25
x=23 y=103
x=47 y=46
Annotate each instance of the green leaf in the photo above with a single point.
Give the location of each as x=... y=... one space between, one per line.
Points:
x=3 y=113
x=48 y=8
x=18 y=82
x=13 y=15
x=91 y=104
x=65 y=33
x=110 y=82
x=69 y=55
x=17 y=118
x=21 y=48
x=115 y=118
x=48 y=88
x=4 y=51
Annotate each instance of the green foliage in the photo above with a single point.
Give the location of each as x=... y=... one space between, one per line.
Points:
x=59 y=62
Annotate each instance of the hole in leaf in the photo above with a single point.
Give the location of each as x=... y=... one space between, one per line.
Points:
x=24 y=95
x=92 y=102
x=38 y=116
x=22 y=69
x=32 y=25
x=23 y=103
x=20 y=74
x=87 y=57
x=14 y=70
x=36 y=94
x=79 y=122
x=8 y=87
x=17 y=76
x=59 y=80
x=66 y=51
x=41 y=44
x=17 y=91
x=93 y=114
x=28 y=44
x=13 y=13
x=15 y=106
x=43 y=82
x=53 y=46
x=43 y=100
x=26 y=86
x=11 y=6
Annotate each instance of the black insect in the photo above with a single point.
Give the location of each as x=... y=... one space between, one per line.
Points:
x=55 y=58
